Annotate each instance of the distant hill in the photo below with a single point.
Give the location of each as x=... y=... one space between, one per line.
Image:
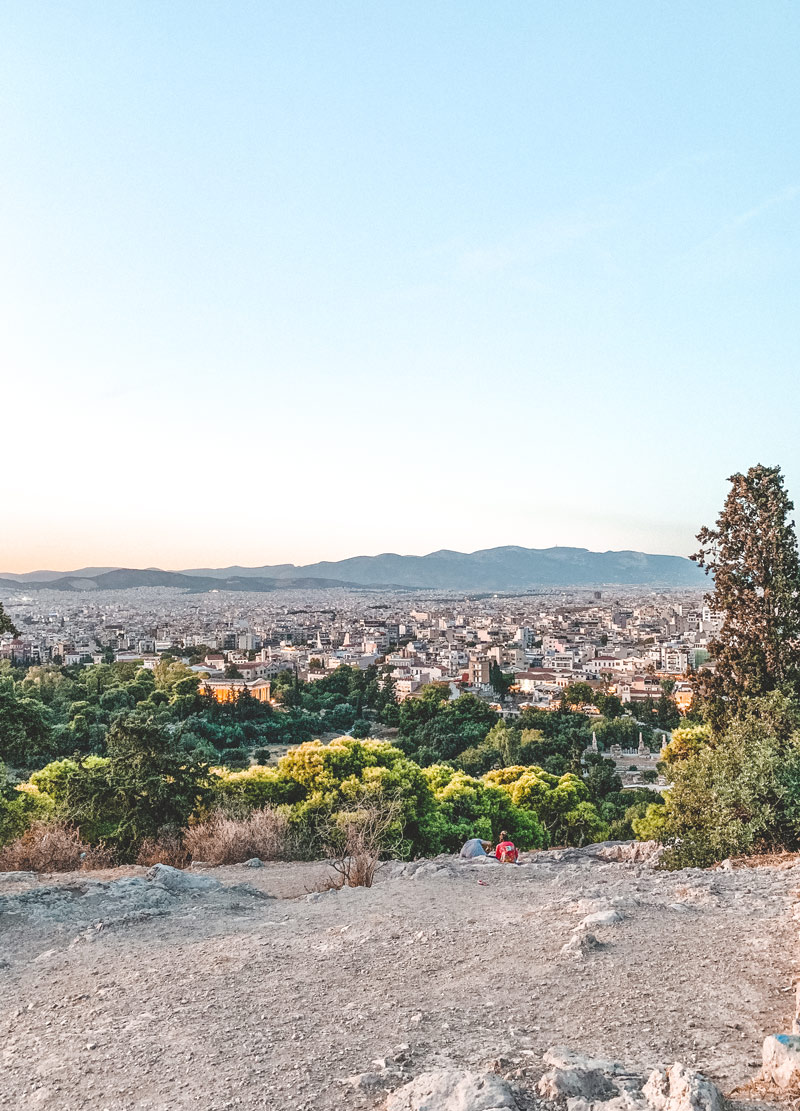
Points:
x=48 y=576
x=507 y=568
x=130 y=578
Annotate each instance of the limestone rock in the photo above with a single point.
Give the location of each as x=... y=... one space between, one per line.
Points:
x=608 y=917
x=367 y=1081
x=253 y=862
x=586 y=1081
x=180 y=883
x=681 y=1089
x=581 y=944
x=630 y=852
x=453 y=1090
x=781 y=1059
x=17 y=877
x=591 y=1085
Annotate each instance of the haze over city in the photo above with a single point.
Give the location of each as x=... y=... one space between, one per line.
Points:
x=284 y=283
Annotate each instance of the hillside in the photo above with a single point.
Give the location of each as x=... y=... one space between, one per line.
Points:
x=118 y=993
x=130 y=578
x=505 y=568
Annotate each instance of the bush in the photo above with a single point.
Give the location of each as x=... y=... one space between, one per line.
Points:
x=561 y=803
x=469 y=807
x=357 y=839
x=167 y=848
x=45 y=847
x=741 y=792
x=19 y=806
x=221 y=839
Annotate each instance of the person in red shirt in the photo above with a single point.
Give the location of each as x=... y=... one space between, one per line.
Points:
x=506 y=851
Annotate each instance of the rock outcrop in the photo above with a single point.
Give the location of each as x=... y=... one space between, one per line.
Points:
x=590 y=1084
x=453 y=1090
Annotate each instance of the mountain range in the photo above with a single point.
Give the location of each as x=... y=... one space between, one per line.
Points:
x=505 y=568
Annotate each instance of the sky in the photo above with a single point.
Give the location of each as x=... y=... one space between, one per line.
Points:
x=288 y=281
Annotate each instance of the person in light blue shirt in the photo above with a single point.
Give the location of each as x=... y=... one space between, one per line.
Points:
x=474 y=848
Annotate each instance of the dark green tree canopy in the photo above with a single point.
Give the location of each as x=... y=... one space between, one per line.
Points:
x=752 y=554
x=6 y=624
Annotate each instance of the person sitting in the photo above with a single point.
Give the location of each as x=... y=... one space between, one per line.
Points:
x=506 y=851
x=475 y=848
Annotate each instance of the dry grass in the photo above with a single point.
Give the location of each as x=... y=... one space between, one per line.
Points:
x=98 y=857
x=774 y=858
x=44 y=847
x=222 y=839
x=54 y=847
x=167 y=848
x=356 y=841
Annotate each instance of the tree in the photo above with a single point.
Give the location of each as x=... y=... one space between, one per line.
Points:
x=610 y=705
x=576 y=695
x=26 y=733
x=505 y=741
x=752 y=555
x=741 y=792
x=154 y=782
x=499 y=681
x=17 y=808
x=6 y=624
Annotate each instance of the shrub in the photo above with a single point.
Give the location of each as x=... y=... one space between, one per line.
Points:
x=740 y=793
x=222 y=839
x=167 y=848
x=357 y=839
x=19 y=806
x=686 y=742
x=468 y=807
x=44 y=847
x=561 y=803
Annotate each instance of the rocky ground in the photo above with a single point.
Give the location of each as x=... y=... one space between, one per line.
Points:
x=242 y=988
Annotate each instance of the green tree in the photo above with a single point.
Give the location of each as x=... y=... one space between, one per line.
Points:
x=154 y=782
x=499 y=681
x=740 y=792
x=752 y=555
x=575 y=695
x=505 y=741
x=561 y=803
x=26 y=731
x=6 y=624
x=469 y=807
x=18 y=808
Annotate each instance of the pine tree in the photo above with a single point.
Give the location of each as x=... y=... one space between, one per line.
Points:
x=752 y=555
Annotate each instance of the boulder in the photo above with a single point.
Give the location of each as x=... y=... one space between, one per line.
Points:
x=367 y=1081
x=453 y=1090
x=585 y=1080
x=781 y=1059
x=629 y=852
x=680 y=1089
x=253 y=862
x=581 y=944
x=591 y=1084
x=608 y=917
x=177 y=882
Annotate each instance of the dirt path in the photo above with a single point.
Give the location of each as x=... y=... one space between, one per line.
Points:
x=226 y=1000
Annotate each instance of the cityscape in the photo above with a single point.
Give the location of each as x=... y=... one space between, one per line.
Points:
x=625 y=642
x=399 y=561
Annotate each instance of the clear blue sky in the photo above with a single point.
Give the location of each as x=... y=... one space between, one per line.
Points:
x=287 y=281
